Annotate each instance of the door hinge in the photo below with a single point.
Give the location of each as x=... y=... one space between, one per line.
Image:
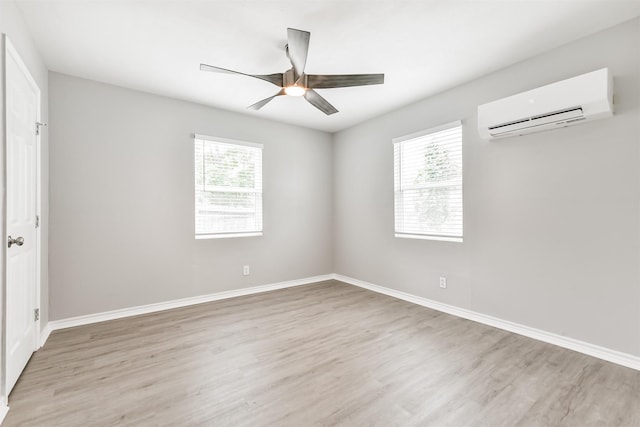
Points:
x=36 y=314
x=38 y=126
x=37 y=221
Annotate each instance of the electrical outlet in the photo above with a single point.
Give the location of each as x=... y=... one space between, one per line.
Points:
x=443 y=282
x=245 y=270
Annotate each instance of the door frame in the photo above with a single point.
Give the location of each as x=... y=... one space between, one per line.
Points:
x=10 y=51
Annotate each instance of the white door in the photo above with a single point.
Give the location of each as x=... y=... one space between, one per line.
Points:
x=22 y=113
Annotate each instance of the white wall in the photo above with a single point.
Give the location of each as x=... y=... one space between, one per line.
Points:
x=552 y=220
x=122 y=202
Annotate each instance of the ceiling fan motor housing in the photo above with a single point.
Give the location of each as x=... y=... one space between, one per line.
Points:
x=289 y=79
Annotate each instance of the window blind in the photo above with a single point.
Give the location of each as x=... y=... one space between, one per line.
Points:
x=428 y=183
x=228 y=187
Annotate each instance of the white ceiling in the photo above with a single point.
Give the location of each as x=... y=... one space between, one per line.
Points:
x=423 y=47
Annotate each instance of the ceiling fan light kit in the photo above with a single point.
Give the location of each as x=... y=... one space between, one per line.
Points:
x=294 y=81
x=294 y=90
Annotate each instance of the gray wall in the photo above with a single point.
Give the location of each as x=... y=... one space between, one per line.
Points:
x=122 y=220
x=552 y=220
x=12 y=24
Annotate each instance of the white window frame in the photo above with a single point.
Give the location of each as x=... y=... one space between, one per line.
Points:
x=397 y=171
x=258 y=188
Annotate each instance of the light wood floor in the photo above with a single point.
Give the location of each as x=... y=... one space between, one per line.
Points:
x=324 y=354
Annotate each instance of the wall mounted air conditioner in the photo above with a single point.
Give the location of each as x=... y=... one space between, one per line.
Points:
x=565 y=103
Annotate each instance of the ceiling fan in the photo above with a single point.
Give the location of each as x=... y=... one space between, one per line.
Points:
x=294 y=81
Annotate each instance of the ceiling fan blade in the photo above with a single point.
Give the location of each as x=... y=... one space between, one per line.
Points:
x=275 y=79
x=319 y=102
x=297 y=48
x=258 y=105
x=343 y=80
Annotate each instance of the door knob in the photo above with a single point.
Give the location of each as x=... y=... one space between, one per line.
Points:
x=17 y=241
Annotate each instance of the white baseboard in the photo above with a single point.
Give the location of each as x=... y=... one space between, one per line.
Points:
x=4 y=409
x=167 y=305
x=44 y=334
x=603 y=353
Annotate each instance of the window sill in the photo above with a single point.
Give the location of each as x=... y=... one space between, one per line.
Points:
x=425 y=237
x=227 y=235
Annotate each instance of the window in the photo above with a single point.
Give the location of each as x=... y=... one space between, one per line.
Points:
x=228 y=187
x=428 y=184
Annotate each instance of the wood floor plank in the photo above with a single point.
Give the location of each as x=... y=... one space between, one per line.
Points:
x=319 y=355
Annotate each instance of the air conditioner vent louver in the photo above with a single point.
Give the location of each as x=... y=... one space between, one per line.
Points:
x=565 y=103
x=554 y=115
